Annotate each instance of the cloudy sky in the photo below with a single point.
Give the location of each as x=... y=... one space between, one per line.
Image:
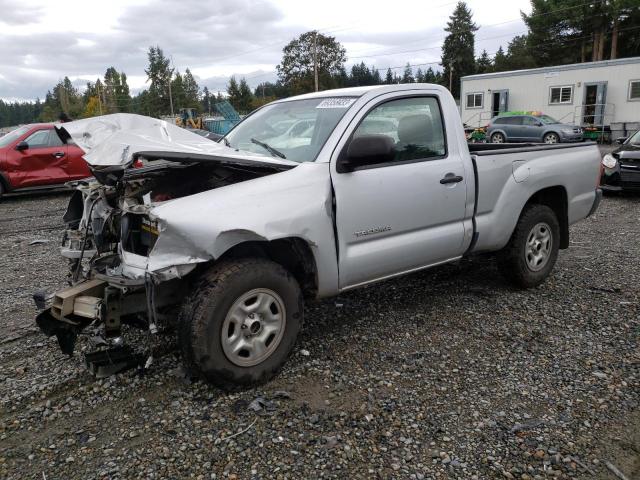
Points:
x=41 y=41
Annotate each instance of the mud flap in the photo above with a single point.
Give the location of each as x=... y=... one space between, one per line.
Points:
x=65 y=332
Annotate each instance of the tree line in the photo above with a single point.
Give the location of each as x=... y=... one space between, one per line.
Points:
x=558 y=32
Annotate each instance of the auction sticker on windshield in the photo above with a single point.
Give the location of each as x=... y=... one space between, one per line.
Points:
x=338 y=102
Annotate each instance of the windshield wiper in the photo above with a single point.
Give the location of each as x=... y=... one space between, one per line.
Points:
x=269 y=148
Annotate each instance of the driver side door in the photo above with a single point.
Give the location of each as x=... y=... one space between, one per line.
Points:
x=408 y=213
x=44 y=162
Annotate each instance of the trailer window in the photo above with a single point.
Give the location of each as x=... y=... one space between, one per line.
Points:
x=634 y=90
x=474 y=100
x=562 y=94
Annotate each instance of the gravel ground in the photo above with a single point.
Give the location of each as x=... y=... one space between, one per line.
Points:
x=449 y=373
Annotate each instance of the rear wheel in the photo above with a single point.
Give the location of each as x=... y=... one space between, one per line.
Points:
x=532 y=251
x=497 y=138
x=551 y=138
x=241 y=322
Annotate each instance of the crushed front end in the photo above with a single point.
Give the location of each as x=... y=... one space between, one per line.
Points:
x=107 y=241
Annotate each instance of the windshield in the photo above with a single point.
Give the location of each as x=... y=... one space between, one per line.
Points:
x=547 y=120
x=295 y=130
x=13 y=136
x=635 y=138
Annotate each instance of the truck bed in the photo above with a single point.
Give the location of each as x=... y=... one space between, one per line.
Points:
x=509 y=174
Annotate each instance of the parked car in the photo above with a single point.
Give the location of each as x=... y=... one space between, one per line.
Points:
x=297 y=135
x=531 y=128
x=33 y=157
x=243 y=237
x=621 y=168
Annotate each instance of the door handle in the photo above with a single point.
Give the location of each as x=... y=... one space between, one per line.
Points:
x=451 y=178
x=58 y=154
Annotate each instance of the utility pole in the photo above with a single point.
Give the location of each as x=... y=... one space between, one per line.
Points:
x=450 y=76
x=99 y=96
x=170 y=97
x=315 y=58
x=170 y=77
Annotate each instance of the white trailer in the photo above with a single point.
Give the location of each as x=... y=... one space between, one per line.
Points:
x=605 y=93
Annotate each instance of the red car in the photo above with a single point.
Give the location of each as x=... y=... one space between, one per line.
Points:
x=32 y=157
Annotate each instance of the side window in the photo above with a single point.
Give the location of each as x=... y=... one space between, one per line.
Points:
x=54 y=139
x=414 y=125
x=513 y=120
x=38 y=139
x=530 y=122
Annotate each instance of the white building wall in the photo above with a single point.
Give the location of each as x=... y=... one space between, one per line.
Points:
x=530 y=90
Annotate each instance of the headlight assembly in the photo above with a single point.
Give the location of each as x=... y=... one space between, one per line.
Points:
x=609 y=161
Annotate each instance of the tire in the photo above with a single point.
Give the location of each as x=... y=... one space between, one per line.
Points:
x=207 y=326
x=497 y=138
x=521 y=261
x=551 y=138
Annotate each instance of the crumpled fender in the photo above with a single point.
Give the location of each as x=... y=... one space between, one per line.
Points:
x=294 y=203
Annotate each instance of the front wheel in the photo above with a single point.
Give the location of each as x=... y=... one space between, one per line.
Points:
x=551 y=138
x=497 y=138
x=241 y=321
x=532 y=251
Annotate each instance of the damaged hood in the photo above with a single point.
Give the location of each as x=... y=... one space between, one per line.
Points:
x=118 y=139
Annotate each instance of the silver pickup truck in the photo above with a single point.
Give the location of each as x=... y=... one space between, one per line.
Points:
x=307 y=197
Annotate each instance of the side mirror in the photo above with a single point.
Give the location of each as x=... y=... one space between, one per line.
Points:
x=366 y=150
x=22 y=146
x=621 y=140
x=539 y=124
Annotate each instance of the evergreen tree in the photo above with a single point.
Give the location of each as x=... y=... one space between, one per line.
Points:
x=407 y=76
x=568 y=31
x=484 y=63
x=177 y=92
x=159 y=74
x=430 y=76
x=500 y=61
x=245 y=97
x=191 y=90
x=458 y=47
x=207 y=100
x=518 y=55
x=388 y=79
x=123 y=94
x=233 y=93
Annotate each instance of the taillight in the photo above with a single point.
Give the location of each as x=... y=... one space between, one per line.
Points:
x=137 y=164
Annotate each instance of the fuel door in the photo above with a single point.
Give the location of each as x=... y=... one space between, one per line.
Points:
x=520 y=170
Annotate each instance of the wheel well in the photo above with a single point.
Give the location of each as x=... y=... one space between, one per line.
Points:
x=556 y=199
x=5 y=183
x=293 y=253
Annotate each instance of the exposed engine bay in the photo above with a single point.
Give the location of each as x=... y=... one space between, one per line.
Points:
x=110 y=233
